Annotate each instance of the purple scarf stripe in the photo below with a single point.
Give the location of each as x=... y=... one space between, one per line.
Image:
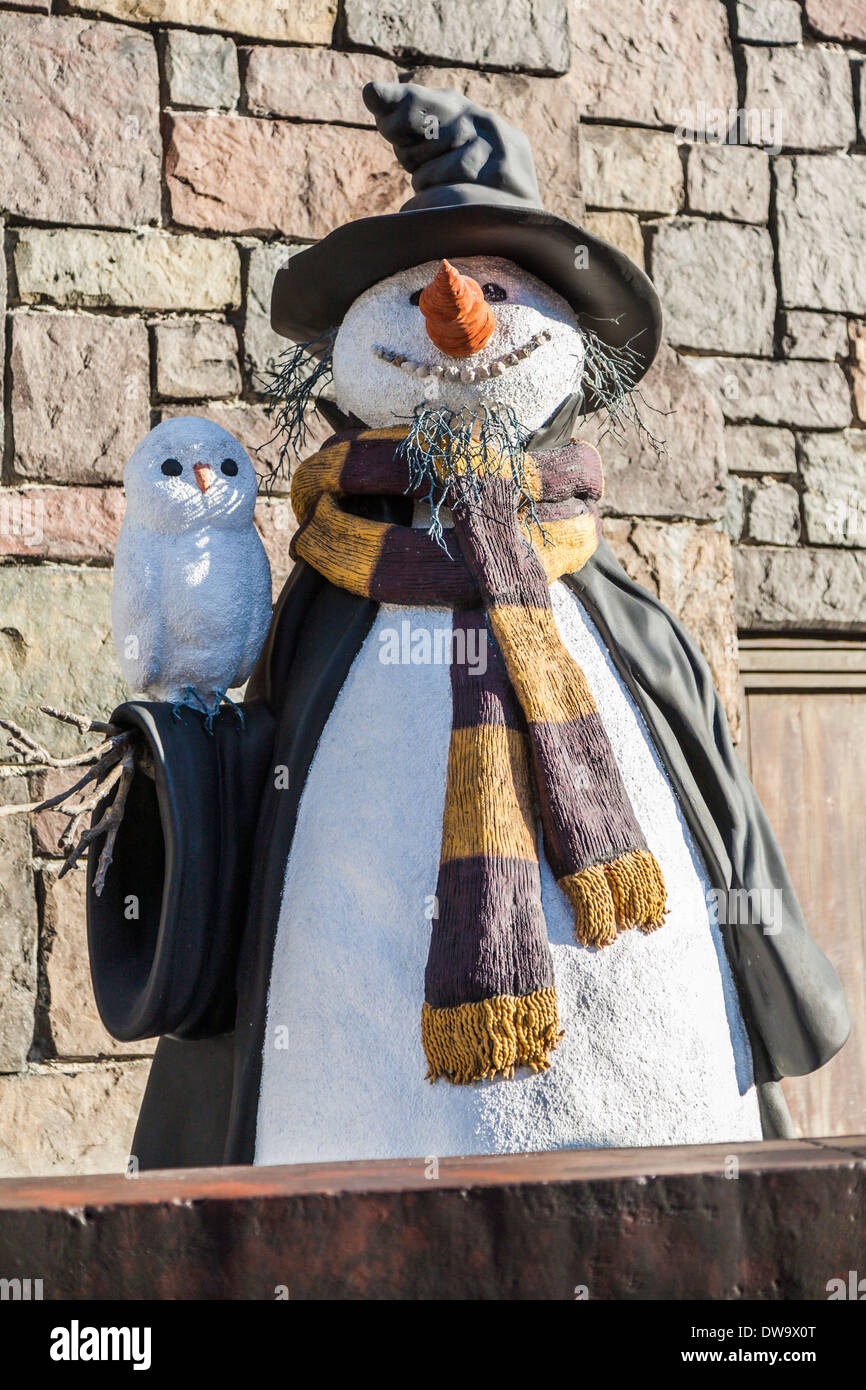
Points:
x=585 y=810
x=486 y=697
x=490 y=937
x=414 y=566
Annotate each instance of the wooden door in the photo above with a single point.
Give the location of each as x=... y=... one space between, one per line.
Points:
x=804 y=742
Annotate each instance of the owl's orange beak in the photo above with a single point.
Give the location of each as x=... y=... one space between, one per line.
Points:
x=204 y=475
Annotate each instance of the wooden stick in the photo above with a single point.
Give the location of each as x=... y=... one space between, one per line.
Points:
x=101 y=826
x=111 y=821
x=80 y=721
x=111 y=766
x=107 y=761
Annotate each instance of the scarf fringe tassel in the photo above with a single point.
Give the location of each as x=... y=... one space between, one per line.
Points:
x=490 y=1038
x=608 y=898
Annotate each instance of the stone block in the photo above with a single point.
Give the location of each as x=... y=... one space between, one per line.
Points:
x=288 y=21
x=716 y=283
x=630 y=169
x=735 y=508
x=202 y=69
x=833 y=468
x=316 y=83
x=837 y=19
x=822 y=337
x=688 y=480
x=811 y=90
x=769 y=21
x=262 y=346
x=76 y=1028
x=196 y=358
x=491 y=33
x=621 y=229
x=820 y=215
x=276 y=524
x=729 y=181
x=689 y=569
x=145 y=270
x=641 y=62
x=242 y=174
x=69 y=1119
x=60 y=523
x=48 y=826
x=80 y=395
x=788 y=588
x=76 y=146
x=812 y=395
x=760 y=449
x=772 y=511
x=857 y=339
x=56 y=648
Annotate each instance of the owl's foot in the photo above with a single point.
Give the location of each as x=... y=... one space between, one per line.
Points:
x=224 y=695
x=192 y=700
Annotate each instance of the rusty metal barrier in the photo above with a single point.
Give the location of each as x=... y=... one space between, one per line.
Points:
x=775 y=1220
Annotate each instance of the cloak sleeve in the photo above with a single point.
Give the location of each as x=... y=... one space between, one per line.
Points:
x=790 y=993
x=164 y=935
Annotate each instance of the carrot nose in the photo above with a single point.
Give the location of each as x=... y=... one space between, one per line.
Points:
x=459 y=319
x=204 y=475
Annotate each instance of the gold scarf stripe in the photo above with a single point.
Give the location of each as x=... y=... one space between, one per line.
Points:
x=488 y=799
x=566 y=546
x=486 y=466
x=548 y=682
x=343 y=548
x=317 y=474
x=622 y=893
x=492 y=1037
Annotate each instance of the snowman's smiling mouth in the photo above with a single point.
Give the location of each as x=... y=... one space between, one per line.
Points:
x=467 y=373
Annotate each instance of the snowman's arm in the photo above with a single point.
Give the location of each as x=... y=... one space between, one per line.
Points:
x=789 y=990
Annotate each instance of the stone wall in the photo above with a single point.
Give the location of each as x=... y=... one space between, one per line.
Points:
x=161 y=157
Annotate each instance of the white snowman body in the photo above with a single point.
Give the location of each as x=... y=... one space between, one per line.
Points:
x=655 y=1050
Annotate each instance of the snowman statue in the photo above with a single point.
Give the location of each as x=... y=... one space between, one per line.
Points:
x=469 y=875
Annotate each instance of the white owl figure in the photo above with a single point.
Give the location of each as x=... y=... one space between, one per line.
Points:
x=192 y=585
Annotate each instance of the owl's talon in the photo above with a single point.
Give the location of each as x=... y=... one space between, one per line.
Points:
x=224 y=695
x=193 y=701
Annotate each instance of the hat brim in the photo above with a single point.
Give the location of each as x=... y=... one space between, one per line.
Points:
x=313 y=291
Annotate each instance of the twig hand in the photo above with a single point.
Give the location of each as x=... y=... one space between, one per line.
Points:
x=110 y=764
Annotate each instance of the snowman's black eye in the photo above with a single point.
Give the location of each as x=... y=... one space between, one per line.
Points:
x=171 y=468
x=229 y=467
x=415 y=297
x=494 y=294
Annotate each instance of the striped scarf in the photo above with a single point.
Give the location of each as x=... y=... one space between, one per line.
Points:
x=526 y=733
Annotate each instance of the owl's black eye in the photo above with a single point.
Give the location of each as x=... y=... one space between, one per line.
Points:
x=415 y=297
x=494 y=294
x=171 y=468
x=229 y=467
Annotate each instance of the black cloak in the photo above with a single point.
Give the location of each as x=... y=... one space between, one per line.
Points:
x=182 y=937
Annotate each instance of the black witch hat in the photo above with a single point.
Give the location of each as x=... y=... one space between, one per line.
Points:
x=475 y=194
